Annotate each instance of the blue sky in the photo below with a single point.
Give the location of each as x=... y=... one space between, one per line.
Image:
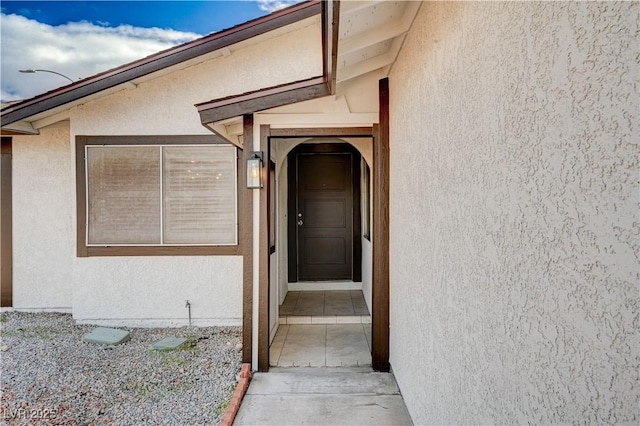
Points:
x=83 y=38
x=201 y=17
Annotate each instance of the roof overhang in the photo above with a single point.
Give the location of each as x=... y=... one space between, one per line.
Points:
x=363 y=48
x=217 y=110
x=14 y=116
x=234 y=106
x=367 y=43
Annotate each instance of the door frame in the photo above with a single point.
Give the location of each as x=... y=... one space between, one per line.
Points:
x=324 y=148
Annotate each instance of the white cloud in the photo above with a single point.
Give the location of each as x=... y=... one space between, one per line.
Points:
x=273 y=5
x=76 y=49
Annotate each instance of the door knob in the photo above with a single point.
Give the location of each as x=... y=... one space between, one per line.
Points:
x=300 y=222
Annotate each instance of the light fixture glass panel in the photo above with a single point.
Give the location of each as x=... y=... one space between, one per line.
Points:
x=254 y=166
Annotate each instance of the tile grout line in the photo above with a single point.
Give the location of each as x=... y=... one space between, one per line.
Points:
x=282 y=348
x=365 y=337
x=326 y=343
x=324 y=303
x=295 y=305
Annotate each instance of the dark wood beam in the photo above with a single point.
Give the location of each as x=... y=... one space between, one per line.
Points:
x=9 y=132
x=259 y=100
x=6 y=250
x=119 y=251
x=338 y=132
x=330 y=33
x=81 y=197
x=245 y=221
x=263 y=267
x=380 y=294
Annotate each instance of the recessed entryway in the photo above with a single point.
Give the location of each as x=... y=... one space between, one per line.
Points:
x=287 y=195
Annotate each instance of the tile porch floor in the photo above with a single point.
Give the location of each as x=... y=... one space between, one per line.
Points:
x=326 y=307
x=323 y=329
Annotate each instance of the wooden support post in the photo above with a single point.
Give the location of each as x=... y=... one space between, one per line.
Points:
x=263 y=299
x=380 y=296
x=245 y=221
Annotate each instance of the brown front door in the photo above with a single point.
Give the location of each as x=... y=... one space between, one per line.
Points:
x=324 y=216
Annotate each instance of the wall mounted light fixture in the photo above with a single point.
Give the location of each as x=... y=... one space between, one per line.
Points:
x=254 y=170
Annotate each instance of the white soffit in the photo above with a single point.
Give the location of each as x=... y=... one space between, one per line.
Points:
x=371 y=35
x=230 y=129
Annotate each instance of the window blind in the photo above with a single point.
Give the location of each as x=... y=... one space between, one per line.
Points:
x=199 y=195
x=124 y=195
x=161 y=195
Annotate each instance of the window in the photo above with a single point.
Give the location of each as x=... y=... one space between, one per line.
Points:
x=366 y=199
x=157 y=192
x=272 y=207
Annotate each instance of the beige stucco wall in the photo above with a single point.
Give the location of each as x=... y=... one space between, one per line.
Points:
x=514 y=213
x=43 y=229
x=151 y=291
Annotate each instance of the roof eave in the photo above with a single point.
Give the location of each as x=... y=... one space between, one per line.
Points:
x=159 y=61
x=263 y=99
x=270 y=97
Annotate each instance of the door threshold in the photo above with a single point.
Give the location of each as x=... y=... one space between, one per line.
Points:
x=324 y=285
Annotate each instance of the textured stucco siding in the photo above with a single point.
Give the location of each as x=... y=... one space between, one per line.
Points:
x=43 y=236
x=151 y=291
x=515 y=213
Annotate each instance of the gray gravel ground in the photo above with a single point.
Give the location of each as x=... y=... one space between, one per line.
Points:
x=50 y=376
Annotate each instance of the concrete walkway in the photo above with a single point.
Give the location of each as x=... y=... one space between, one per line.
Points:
x=323 y=396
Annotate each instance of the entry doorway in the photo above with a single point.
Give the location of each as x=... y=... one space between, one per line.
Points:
x=324 y=213
x=323 y=318
x=274 y=278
